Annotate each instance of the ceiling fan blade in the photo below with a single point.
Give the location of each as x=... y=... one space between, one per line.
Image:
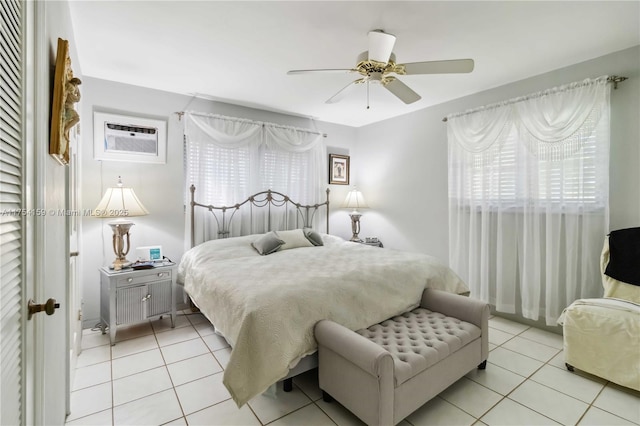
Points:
x=439 y=67
x=342 y=92
x=380 y=46
x=331 y=70
x=402 y=91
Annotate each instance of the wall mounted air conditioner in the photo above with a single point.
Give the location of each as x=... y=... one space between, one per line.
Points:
x=126 y=138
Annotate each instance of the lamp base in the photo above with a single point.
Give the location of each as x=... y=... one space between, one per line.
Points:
x=355 y=226
x=121 y=243
x=119 y=264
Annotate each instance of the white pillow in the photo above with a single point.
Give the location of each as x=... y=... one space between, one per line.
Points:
x=293 y=239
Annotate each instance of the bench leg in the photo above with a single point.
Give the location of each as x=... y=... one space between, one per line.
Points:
x=326 y=397
x=287 y=384
x=482 y=365
x=569 y=366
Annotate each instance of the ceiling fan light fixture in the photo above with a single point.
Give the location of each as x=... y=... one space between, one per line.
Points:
x=380 y=46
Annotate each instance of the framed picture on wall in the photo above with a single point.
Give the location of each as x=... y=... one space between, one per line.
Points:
x=338 y=169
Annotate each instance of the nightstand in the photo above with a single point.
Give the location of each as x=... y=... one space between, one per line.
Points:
x=129 y=296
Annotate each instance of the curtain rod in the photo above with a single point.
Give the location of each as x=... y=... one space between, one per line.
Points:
x=611 y=79
x=262 y=123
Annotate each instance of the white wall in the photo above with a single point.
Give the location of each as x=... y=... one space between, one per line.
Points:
x=402 y=162
x=159 y=186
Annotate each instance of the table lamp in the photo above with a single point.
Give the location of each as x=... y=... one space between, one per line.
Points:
x=121 y=203
x=355 y=201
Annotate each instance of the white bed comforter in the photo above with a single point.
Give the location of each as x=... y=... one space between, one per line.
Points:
x=267 y=306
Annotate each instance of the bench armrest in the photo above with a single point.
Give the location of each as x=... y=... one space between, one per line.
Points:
x=352 y=346
x=453 y=305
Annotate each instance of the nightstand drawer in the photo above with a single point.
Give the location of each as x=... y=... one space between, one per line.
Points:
x=144 y=277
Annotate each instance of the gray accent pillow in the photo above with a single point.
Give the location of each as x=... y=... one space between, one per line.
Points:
x=267 y=243
x=313 y=237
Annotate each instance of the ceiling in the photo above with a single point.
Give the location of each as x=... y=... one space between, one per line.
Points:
x=239 y=52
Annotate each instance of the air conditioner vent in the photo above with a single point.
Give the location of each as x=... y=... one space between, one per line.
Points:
x=129 y=138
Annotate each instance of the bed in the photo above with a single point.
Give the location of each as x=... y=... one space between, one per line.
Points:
x=267 y=305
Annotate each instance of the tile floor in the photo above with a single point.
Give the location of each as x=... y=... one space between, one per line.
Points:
x=156 y=375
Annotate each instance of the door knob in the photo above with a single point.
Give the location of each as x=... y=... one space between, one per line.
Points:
x=49 y=307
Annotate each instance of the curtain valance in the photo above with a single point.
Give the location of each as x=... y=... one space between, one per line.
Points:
x=551 y=116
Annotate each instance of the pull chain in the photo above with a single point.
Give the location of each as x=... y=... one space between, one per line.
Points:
x=367 y=94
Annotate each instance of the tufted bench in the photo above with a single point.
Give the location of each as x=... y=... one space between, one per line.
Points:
x=385 y=372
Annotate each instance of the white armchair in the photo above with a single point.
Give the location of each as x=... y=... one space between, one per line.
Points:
x=602 y=336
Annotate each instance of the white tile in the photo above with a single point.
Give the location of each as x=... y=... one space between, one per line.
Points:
x=496 y=378
x=90 y=400
x=215 y=342
x=308 y=383
x=176 y=335
x=545 y=337
x=98 y=419
x=202 y=393
x=140 y=385
x=136 y=363
x=224 y=413
x=514 y=362
x=196 y=318
x=598 y=417
x=165 y=323
x=558 y=360
x=94 y=355
x=154 y=409
x=132 y=331
x=498 y=337
x=193 y=368
x=204 y=329
x=551 y=403
x=271 y=406
x=509 y=326
x=310 y=415
x=340 y=415
x=620 y=401
x=531 y=349
x=569 y=383
x=177 y=422
x=222 y=355
x=440 y=412
x=93 y=338
x=92 y=375
x=471 y=397
x=510 y=413
x=492 y=347
x=183 y=350
x=134 y=346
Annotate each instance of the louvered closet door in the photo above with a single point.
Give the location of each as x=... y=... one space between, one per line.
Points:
x=11 y=222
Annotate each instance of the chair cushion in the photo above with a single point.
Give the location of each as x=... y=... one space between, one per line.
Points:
x=419 y=339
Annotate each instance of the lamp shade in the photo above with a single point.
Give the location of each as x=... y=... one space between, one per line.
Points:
x=120 y=201
x=355 y=200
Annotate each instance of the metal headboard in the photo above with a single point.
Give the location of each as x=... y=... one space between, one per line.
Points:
x=223 y=215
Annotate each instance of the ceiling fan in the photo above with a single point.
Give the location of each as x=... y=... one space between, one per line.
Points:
x=379 y=63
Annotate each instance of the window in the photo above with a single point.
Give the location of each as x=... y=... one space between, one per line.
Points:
x=528 y=198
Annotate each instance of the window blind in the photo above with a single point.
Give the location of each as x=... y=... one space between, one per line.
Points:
x=11 y=221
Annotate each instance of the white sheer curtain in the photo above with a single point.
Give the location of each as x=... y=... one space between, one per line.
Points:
x=529 y=198
x=228 y=159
